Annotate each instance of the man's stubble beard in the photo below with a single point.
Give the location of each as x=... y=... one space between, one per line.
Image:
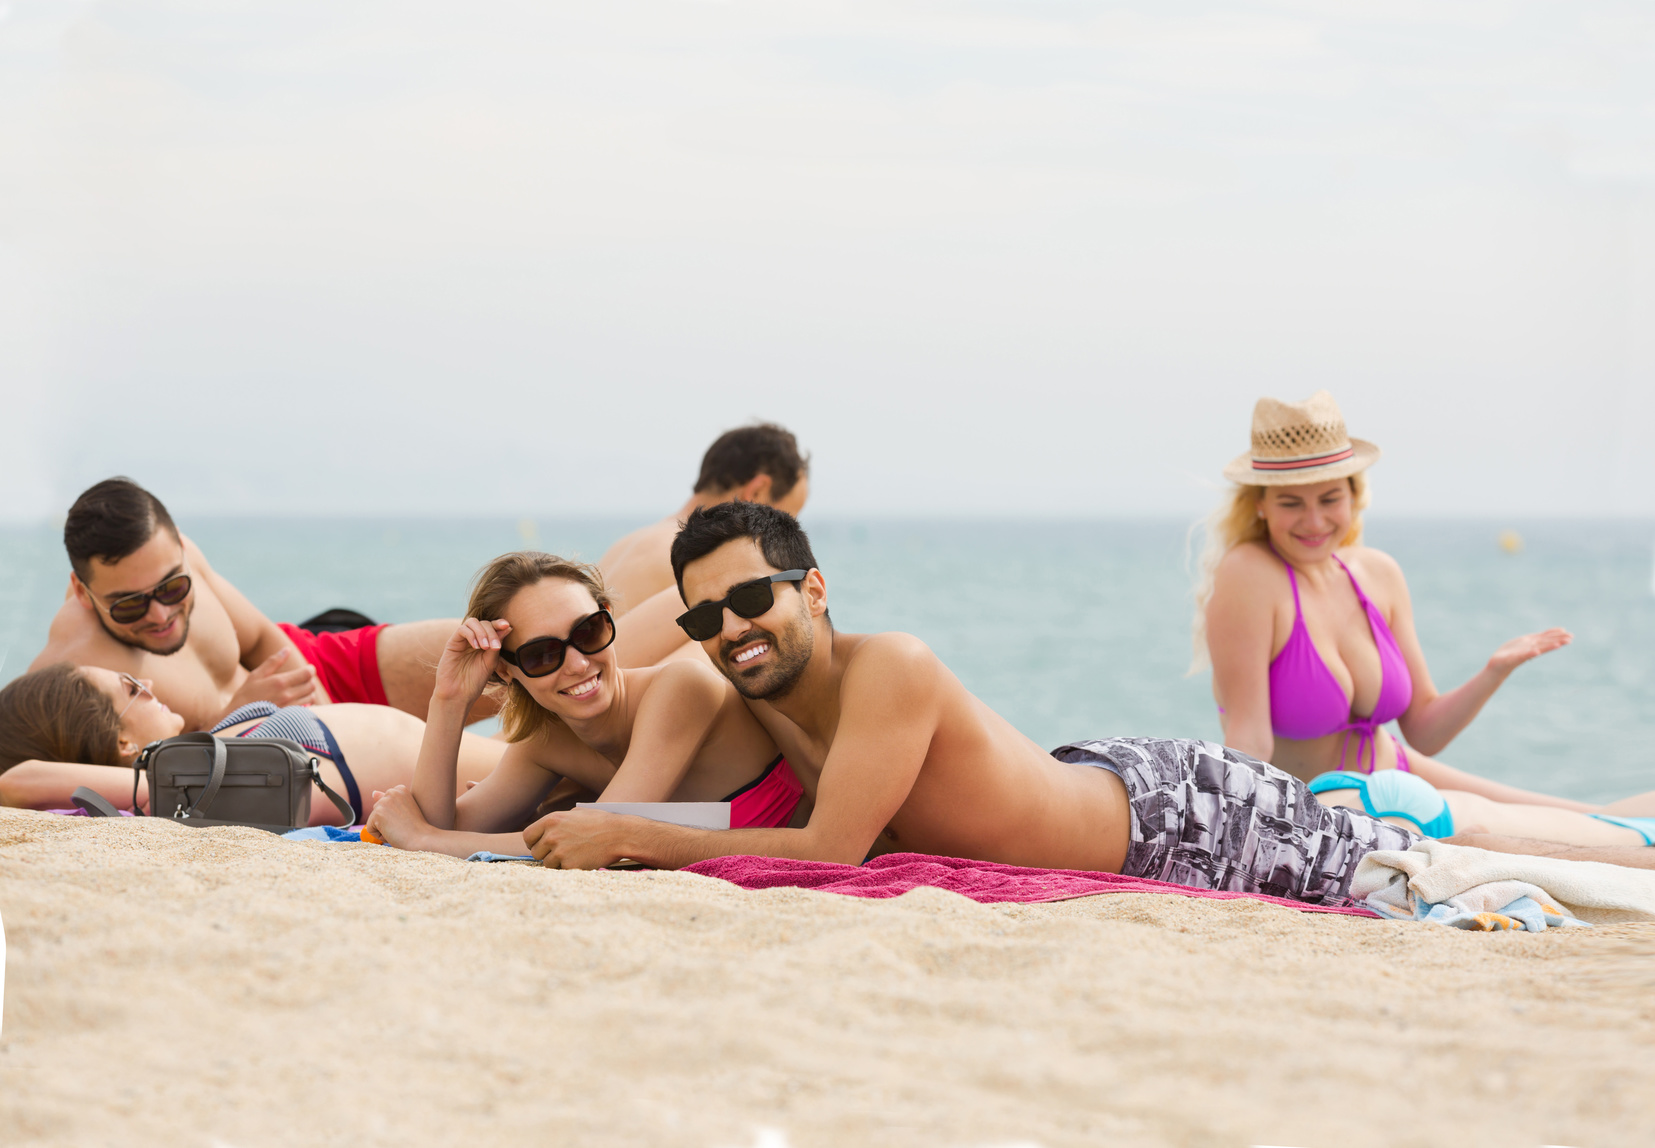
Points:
x=183 y=634
x=786 y=668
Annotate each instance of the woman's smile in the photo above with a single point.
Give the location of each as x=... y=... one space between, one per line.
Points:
x=583 y=689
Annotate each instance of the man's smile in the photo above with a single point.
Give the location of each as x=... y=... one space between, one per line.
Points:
x=750 y=653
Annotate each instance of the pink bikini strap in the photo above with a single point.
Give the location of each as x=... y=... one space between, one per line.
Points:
x=1354 y=584
x=1367 y=741
x=1298 y=610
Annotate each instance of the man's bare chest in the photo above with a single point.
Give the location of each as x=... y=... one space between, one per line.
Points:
x=806 y=755
x=197 y=679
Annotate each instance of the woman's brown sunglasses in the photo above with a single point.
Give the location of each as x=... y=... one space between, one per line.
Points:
x=538 y=657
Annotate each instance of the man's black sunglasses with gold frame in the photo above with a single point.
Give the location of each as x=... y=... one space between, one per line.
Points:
x=538 y=657
x=748 y=600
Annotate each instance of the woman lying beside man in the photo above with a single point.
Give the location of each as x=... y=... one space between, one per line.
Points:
x=674 y=732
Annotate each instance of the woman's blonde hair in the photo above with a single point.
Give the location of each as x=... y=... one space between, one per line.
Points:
x=521 y=717
x=1236 y=520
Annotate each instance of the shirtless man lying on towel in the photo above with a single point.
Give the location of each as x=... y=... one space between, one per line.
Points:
x=898 y=755
x=759 y=463
x=144 y=601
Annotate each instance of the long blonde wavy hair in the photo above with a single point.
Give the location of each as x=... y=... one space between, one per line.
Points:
x=521 y=717
x=1235 y=521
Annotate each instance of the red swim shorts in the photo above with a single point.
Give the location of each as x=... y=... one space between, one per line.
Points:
x=347 y=662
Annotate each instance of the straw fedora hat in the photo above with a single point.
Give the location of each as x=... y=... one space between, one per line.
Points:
x=1299 y=443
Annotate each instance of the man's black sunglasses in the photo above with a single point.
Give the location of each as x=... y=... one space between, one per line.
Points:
x=748 y=600
x=541 y=656
x=131 y=608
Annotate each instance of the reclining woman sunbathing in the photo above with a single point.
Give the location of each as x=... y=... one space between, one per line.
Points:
x=66 y=726
x=676 y=732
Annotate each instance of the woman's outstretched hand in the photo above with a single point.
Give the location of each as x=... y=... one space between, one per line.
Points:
x=1519 y=650
x=469 y=659
x=396 y=819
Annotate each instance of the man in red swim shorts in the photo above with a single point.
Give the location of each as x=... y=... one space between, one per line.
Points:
x=143 y=600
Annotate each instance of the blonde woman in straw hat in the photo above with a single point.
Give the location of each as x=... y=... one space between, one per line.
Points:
x=1311 y=635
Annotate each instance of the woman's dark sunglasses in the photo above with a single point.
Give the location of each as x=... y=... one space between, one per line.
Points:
x=748 y=600
x=541 y=656
x=133 y=607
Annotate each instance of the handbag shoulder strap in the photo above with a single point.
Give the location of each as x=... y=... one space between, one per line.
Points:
x=339 y=803
x=93 y=803
x=218 y=757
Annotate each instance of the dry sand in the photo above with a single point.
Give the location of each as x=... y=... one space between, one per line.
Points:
x=224 y=987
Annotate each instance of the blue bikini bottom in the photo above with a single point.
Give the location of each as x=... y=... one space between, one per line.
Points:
x=1393 y=793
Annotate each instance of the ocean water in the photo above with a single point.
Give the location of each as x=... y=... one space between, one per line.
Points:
x=1069 y=629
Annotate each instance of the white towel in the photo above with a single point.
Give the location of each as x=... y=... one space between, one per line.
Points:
x=1478 y=880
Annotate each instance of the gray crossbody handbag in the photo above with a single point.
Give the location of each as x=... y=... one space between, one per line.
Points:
x=200 y=779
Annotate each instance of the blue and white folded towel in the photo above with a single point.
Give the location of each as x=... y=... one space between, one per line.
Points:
x=1467 y=888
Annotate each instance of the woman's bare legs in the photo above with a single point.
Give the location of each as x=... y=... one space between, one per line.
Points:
x=1477 y=814
x=1539 y=822
x=1446 y=777
x=1636 y=857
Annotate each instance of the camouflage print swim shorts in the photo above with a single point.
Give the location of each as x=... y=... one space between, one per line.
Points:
x=1209 y=817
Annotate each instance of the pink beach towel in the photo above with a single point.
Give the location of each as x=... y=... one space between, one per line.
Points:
x=895 y=873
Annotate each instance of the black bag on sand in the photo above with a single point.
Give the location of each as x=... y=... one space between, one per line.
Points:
x=200 y=779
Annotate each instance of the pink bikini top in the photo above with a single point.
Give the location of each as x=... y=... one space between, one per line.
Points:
x=768 y=801
x=1305 y=698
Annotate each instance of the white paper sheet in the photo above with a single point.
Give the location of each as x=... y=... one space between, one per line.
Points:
x=694 y=814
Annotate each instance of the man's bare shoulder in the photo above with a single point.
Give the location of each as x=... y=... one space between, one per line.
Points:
x=639 y=566
x=75 y=636
x=644 y=538
x=193 y=554
x=891 y=658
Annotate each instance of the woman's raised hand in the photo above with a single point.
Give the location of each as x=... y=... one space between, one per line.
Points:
x=1519 y=650
x=469 y=659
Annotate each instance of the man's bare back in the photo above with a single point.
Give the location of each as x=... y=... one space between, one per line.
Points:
x=977 y=786
x=638 y=567
x=752 y=464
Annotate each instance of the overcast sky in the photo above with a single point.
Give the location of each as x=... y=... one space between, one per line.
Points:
x=1015 y=257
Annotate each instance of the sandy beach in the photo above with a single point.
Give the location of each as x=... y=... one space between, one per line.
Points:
x=225 y=987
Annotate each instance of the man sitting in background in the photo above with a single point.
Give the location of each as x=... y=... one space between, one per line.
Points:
x=143 y=600
x=759 y=463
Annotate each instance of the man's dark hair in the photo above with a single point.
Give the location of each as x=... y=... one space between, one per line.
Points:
x=110 y=521
x=741 y=454
x=780 y=537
